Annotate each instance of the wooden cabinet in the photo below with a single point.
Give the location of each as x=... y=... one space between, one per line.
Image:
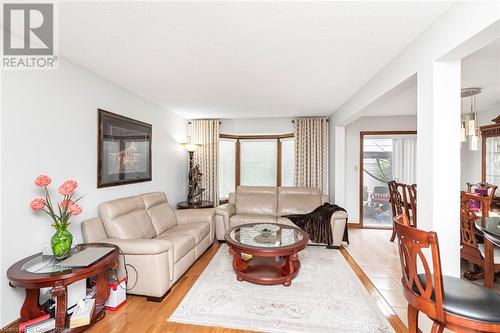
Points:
x=490 y=154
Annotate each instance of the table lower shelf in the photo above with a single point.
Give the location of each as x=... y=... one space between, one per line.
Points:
x=99 y=313
x=267 y=270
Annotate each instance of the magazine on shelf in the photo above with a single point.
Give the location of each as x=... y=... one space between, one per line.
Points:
x=24 y=324
x=42 y=326
x=83 y=313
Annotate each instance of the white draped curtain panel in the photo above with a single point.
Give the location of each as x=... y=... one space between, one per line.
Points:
x=404 y=160
x=311 y=153
x=206 y=133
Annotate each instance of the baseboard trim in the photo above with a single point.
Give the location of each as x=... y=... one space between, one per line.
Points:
x=12 y=327
x=330 y=247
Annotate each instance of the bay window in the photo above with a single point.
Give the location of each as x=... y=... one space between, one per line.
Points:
x=255 y=160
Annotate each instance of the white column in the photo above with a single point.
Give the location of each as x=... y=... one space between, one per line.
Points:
x=339 y=183
x=438 y=157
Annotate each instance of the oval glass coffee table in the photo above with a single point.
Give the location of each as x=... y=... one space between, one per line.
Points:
x=266 y=253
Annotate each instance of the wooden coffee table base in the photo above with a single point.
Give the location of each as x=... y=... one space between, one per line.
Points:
x=266 y=270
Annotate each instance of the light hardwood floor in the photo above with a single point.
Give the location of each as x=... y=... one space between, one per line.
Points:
x=378 y=258
x=138 y=315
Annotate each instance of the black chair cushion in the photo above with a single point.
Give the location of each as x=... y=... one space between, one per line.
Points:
x=466 y=299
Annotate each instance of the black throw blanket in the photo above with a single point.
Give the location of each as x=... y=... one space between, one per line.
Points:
x=317 y=223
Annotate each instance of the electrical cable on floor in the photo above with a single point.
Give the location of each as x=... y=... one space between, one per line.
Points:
x=125 y=265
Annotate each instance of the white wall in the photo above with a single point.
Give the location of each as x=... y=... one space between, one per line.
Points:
x=331 y=161
x=471 y=160
x=49 y=126
x=254 y=126
x=403 y=123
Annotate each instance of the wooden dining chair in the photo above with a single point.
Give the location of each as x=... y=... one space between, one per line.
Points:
x=448 y=301
x=411 y=203
x=470 y=249
x=403 y=199
x=490 y=189
x=396 y=201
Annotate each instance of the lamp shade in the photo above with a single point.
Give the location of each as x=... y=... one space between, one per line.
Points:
x=473 y=143
x=471 y=127
x=189 y=146
x=463 y=136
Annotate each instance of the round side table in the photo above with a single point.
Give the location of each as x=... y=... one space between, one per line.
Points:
x=38 y=271
x=197 y=205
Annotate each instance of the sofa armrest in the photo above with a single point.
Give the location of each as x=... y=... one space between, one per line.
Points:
x=338 y=223
x=141 y=246
x=93 y=230
x=195 y=215
x=226 y=211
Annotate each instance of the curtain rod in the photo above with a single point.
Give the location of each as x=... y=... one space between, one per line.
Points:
x=293 y=121
x=327 y=120
x=189 y=123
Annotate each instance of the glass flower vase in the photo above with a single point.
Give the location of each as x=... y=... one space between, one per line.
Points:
x=61 y=243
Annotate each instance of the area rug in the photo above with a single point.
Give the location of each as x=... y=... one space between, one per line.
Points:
x=326 y=296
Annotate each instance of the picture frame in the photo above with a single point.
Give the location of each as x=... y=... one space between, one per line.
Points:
x=124 y=150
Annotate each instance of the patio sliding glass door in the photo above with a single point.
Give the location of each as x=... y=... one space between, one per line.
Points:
x=384 y=156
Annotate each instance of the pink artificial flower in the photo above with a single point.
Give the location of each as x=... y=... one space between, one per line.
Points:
x=42 y=181
x=65 y=203
x=37 y=204
x=74 y=209
x=68 y=187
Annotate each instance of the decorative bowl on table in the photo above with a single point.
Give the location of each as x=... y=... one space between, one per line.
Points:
x=266 y=229
x=266 y=238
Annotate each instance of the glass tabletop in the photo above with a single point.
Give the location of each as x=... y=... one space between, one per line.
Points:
x=268 y=235
x=44 y=264
x=489 y=225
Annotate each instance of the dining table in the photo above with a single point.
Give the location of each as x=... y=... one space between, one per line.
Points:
x=490 y=228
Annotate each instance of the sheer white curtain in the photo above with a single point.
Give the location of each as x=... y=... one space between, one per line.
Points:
x=404 y=160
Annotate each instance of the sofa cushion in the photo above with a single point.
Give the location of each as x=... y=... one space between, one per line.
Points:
x=181 y=243
x=126 y=218
x=298 y=200
x=161 y=214
x=232 y=198
x=198 y=230
x=239 y=219
x=285 y=221
x=93 y=230
x=256 y=200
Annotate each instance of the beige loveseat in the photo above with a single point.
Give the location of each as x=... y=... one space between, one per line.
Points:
x=268 y=204
x=159 y=242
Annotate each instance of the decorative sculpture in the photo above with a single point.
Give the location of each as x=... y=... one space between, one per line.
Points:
x=194 y=188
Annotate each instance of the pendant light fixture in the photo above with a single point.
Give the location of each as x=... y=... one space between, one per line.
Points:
x=469 y=129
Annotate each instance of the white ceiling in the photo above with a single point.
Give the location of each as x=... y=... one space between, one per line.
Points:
x=241 y=59
x=482 y=70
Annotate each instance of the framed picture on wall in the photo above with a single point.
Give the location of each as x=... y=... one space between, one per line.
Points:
x=124 y=150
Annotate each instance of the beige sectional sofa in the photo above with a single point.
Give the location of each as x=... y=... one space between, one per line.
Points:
x=159 y=242
x=251 y=204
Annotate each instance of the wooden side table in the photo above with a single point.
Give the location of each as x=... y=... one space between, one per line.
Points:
x=201 y=204
x=59 y=279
